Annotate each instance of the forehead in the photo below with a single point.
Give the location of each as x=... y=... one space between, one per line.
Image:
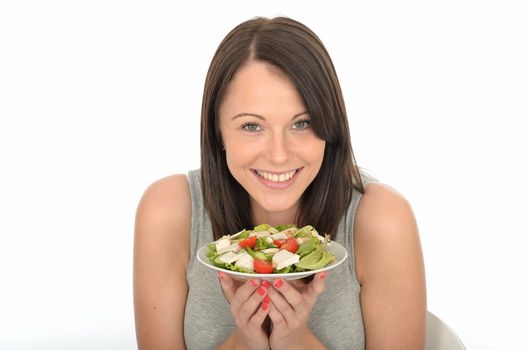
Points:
x=259 y=87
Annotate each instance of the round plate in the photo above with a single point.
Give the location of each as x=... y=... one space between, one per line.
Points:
x=337 y=249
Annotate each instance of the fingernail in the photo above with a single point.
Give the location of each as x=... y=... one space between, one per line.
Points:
x=264 y=306
x=220 y=275
x=266 y=299
x=265 y=284
x=254 y=282
x=262 y=290
x=323 y=275
x=278 y=283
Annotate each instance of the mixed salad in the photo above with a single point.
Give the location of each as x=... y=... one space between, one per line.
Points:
x=272 y=249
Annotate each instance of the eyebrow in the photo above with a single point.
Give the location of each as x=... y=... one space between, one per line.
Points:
x=245 y=114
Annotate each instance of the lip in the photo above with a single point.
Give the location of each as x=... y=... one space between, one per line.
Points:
x=278 y=185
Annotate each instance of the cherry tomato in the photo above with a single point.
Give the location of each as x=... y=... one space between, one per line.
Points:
x=278 y=242
x=290 y=244
x=249 y=242
x=263 y=266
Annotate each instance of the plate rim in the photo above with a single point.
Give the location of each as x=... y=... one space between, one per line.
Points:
x=292 y=275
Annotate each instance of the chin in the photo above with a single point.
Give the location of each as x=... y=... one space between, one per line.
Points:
x=277 y=206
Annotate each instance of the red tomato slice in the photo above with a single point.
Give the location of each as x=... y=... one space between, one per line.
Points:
x=278 y=242
x=263 y=266
x=290 y=244
x=249 y=242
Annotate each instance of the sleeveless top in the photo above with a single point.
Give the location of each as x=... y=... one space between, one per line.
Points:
x=336 y=319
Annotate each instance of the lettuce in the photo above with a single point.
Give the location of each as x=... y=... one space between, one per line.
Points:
x=305 y=231
x=262 y=227
x=317 y=259
x=308 y=247
x=212 y=252
x=261 y=243
x=238 y=268
x=283 y=227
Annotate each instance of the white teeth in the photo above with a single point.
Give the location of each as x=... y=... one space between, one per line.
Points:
x=276 y=178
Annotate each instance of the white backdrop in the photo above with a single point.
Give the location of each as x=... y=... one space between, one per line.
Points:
x=100 y=98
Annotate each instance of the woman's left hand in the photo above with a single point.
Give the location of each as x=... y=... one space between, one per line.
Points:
x=289 y=310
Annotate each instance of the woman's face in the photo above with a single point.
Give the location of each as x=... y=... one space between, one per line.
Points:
x=271 y=149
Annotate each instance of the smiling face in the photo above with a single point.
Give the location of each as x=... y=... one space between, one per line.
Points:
x=271 y=148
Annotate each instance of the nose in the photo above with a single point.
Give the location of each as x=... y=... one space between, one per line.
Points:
x=278 y=149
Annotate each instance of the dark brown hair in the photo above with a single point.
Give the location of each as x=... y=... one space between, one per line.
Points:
x=300 y=55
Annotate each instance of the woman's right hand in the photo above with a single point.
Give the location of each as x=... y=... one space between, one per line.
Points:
x=249 y=306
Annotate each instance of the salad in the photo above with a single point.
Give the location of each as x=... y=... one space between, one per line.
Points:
x=272 y=249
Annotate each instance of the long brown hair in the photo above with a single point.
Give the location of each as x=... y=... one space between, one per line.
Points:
x=299 y=54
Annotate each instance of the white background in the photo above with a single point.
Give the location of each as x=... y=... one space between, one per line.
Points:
x=100 y=98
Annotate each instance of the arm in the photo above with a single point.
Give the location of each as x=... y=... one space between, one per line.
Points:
x=233 y=342
x=161 y=251
x=390 y=268
x=290 y=309
x=246 y=301
x=309 y=341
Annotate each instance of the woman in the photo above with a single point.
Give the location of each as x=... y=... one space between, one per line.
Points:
x=276 y=149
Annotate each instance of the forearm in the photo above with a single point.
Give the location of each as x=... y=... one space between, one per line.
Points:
x=233 y=342
x=230 y=343
x=310 y=341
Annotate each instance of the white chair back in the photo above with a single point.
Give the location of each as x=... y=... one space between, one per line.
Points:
x=439 y=336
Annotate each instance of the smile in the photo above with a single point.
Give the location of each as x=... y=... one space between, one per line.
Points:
x=277 y=177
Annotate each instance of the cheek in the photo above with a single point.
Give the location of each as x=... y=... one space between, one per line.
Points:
x=240 y=152
x=237 y=156
x=314 y=150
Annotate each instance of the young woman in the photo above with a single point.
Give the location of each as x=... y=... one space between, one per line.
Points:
x=275 y=148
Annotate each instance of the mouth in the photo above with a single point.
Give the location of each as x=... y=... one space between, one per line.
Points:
x=277 y=178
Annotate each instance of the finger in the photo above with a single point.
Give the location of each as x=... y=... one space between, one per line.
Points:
x=317 y=285
x=233 y=290
x=259 y=317
x=284 y=308
x=228 y=285
x=249 y=307
x=293 y=297
x=275 y=316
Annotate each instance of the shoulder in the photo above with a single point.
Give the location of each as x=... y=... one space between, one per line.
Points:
x=164 y=212
x=164 y=195
x=390 y=269
x=384 y=221
x=381 y=205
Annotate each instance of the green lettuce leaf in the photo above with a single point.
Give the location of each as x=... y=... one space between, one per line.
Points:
x=262 y=227
x=317 y=259
x=212 y=252
x=283 y=227
x=308 y=247
x=305 y=231
x=238 y=268
x=261 y=243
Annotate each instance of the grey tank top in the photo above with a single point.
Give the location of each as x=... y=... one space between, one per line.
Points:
x=336 y=318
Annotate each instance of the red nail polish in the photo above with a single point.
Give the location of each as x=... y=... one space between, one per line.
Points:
x=262 y=290
x=264 y=306
x=266 y=299
x=265 y=284
x=254 y=282
x=278 y=283
x=323 y=275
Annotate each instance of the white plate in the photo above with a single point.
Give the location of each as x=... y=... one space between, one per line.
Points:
x=337 y=249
